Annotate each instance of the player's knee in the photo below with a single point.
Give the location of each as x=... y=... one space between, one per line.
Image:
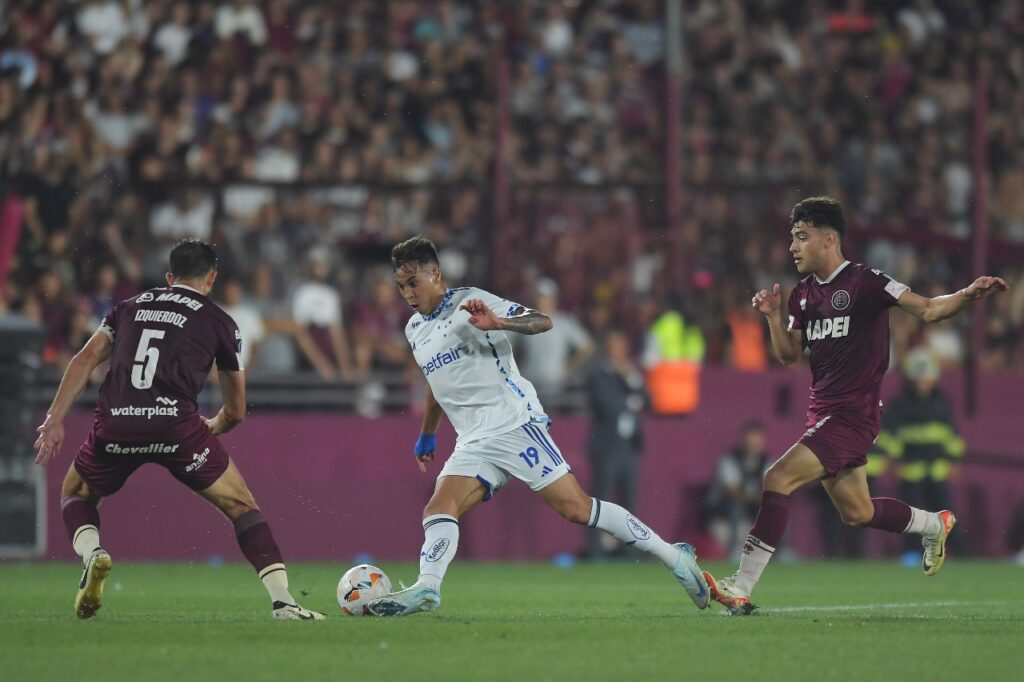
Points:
x=447 y=507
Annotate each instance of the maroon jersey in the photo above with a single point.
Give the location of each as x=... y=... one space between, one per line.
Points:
x=845 y=323
x=165 y=342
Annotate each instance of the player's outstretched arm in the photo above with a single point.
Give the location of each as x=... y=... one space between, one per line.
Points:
x=943 y=307
x=427 y=442
x=232 y=387
x=523 y=321
x=76 y=376
x=787 y=343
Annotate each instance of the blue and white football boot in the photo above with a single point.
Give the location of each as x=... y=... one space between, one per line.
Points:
x=689 y=575
x=406 y=602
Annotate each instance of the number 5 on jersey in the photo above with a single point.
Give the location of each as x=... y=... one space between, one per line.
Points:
x=146 y=357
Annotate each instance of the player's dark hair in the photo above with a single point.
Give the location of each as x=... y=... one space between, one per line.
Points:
x=819 y=212
x=416 y=249
x=191 y=258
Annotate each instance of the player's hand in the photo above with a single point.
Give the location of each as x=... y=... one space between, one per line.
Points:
x=985 y=286
x=424 y=450
x=480 y=316
x=767 y=302
x=51 y=437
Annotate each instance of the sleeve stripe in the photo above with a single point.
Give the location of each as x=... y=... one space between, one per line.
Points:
x=107 y=331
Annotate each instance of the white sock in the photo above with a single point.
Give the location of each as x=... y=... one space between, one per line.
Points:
x=85 y=541
x=629 y=530
x=275 y=579
x=923 y=523
x=440 y=542
x=753 y=561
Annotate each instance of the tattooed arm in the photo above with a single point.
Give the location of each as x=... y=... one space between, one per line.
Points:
x=524 y=321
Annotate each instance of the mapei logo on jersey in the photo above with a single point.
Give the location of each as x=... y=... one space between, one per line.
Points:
x=441 y=359
x=830 y=327
x=437 y=550
x=198 y=460
x=169 y=409
x=637 y=529
x=841 y=300
x=147 y=449
x=145 y=297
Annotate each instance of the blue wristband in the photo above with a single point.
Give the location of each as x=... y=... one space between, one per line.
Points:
x=425 y=445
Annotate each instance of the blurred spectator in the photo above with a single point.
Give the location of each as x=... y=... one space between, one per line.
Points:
x=248 y=318
x=616 y=399
x=106 y=101
x=919 y=435
x=316 y=305
x=735 y=492
x=548 y=360
x=378 y=328
x=673 y=353
x=282 y=333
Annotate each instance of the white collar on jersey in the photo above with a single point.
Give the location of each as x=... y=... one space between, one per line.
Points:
x=834 y=273
x=185 y=286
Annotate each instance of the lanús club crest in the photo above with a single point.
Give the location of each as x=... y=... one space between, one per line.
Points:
x=841 y=300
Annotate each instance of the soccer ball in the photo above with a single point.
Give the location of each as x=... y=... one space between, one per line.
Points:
x=359 y=586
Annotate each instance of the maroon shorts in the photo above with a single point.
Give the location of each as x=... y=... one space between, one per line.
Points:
x=840 y=441
x=197 y=460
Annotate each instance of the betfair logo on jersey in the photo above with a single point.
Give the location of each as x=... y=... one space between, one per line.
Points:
x=147 y=449
x=442 y=359
x=830 y=327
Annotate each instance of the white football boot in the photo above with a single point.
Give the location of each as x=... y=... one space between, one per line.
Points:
x=286 y=611
x=935 y=547
x=411 y=600
x=689 y=575
x=727 y=593
x=90 y=588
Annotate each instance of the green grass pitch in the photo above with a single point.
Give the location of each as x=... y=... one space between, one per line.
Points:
x=530 y=622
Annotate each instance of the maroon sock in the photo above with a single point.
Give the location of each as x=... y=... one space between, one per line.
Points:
x=256 y=540
x=891 y=515
x=772 y=518
x=77 y=512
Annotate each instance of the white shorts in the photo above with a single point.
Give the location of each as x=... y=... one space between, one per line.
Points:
x=526 y=453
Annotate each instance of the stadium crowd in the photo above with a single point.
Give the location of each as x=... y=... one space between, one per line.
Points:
x=305 y=138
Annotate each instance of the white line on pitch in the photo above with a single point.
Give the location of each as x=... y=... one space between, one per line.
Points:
x=874 y=607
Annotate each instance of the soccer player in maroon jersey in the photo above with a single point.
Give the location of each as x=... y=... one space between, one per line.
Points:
x=161 y=345
x=839 y=313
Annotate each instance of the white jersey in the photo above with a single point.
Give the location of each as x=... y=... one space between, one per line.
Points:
x=472 y=373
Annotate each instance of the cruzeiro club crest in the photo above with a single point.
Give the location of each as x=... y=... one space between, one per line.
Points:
x=841 y=300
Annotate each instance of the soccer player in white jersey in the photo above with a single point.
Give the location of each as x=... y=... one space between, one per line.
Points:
x=459 y=338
